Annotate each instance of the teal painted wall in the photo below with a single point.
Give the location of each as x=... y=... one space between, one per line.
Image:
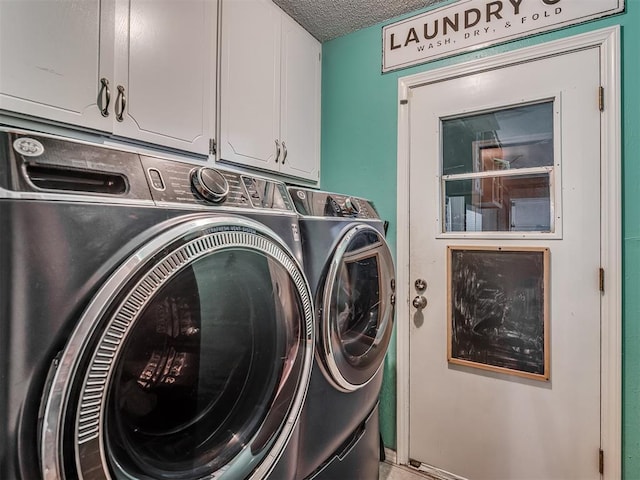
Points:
x=359 y=145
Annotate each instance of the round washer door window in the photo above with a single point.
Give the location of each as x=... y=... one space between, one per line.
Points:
x=200 y=365
x=357 y=308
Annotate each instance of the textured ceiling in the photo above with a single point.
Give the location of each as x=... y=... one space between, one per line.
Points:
x=328 y=19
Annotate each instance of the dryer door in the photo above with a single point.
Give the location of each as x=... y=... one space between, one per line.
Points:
x=357 y=308
x=191 y=362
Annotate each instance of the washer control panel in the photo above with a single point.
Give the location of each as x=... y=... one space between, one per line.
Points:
x=210 y=184
x=177 y=182
x=313 y=203
x=38 y=164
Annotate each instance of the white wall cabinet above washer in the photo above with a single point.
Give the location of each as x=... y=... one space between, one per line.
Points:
x=136 y=69
x=269 y=90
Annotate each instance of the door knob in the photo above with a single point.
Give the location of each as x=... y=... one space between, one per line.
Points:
x=419 y=302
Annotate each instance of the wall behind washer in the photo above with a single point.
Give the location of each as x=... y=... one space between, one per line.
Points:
x=359 y=145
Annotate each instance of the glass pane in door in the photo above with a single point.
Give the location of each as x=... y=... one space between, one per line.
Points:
x=358 y=320
x=498 y=170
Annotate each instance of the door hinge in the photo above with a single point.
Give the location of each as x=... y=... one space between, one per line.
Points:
x=601 y=99
x=404 y=101
x=212 y=146
x=601 y=280
x=601 y=462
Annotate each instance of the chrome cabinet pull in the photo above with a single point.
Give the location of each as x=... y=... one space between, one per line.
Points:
x=284 y=156
x=277 y=150
x=122 y=100
x=107 y=96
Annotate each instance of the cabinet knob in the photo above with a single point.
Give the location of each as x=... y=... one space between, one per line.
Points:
x=107 y=96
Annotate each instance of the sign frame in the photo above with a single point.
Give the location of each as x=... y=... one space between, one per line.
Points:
x=468 y=25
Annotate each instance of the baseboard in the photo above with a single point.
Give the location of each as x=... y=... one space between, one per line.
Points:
x=390 y=456
x=427 y=471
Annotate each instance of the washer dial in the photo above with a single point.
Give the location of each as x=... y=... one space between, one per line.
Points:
x=351 y=206
x=210 y=184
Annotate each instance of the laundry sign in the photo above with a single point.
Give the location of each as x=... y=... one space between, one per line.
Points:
x=468 y=25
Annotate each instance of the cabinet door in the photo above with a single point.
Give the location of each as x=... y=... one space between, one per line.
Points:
x=300 y=118
x=250 y=83
x=52 y=57
x=165 y=67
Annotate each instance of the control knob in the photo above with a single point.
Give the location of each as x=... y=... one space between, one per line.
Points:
x=351 y=206
x=210 y=184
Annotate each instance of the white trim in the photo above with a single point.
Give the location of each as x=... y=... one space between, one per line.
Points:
x=402 y=283
x=611 y=257
x=608 y=41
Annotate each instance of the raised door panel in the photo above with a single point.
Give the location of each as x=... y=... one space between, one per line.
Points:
x=52 y=57
x=165 y=65
x=250 y=83
x=300 y=122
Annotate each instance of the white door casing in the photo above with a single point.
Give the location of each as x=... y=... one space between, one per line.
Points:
x=605 y=42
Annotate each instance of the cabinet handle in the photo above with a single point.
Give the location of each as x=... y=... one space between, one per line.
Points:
x=122 y=100
x=284 y=155
x=277 y=150
x=107 y=96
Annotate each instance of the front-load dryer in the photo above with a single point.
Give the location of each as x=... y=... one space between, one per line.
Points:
x=156 y=322
x=351 y=273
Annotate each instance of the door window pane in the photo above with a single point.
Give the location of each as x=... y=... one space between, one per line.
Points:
x=498 y=170
x=499 y=204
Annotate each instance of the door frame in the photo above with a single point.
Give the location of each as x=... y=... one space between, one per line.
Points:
x=607 y=40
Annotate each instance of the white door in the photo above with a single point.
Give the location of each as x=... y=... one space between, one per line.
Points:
x=164 y=86
x=505 y=233
x=250 y=83
x=300 y=122
x=53 y=56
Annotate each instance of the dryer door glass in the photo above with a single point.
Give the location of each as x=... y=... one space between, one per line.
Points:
x=199 y=364
x=358 y=308
x=202 y=366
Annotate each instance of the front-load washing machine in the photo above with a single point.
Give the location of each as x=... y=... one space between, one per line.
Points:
x=351 y=273
x=156 y=322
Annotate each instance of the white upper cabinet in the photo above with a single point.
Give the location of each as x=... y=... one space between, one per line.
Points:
x=250 y=82
x=300 y=115
x=52 y=57
x=269 y=90
x=140 y=69
x=165 y=68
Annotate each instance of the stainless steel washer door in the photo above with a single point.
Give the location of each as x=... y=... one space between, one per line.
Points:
x=191 y=362
x=357 y=309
